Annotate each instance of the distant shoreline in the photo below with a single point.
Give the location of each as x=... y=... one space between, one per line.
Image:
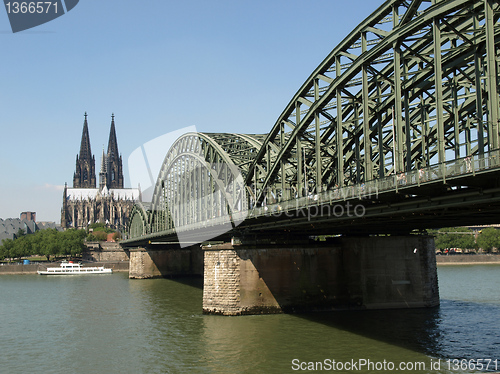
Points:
x=460 y=259
x=123 y=266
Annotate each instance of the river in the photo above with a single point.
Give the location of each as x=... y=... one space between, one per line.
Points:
x=110 y=324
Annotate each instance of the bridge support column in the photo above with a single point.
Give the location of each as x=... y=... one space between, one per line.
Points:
x=350 y=273
x=165 y=262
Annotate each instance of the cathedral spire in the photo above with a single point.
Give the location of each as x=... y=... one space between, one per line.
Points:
x=84 y=176
x=112 y=144
x=102 y=173
x=85 y=151
x=114 y=170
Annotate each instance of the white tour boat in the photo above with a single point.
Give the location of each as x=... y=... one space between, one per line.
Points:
x=71 y=268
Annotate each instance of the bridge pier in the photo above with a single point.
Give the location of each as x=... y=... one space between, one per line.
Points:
x=349 y=273
x=165 y=261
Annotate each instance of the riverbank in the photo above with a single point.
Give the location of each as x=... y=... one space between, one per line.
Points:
x=117 y=266
x=458 y=259
x=123 y=266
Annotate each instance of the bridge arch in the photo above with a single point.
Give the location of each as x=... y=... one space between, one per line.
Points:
x=139 y=221
x=201 y=182
x=415 y=84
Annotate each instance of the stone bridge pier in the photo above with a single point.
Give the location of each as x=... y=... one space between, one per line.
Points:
x=163 y=261
x=348 y=273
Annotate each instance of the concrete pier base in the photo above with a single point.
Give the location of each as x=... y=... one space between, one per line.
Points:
x=350 y=273
x=165 y=262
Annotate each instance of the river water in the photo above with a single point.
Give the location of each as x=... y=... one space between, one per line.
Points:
x=110 y=324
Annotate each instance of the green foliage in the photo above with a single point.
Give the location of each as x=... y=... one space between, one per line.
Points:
x=6 y=248
x=72 y=242
x=91 y=238
x=101 y=235
x=22 y=247
x=97 y=236
x=49 y=242
x=100 y=227
x=450 y=237
x=455 y=229
x=20 y=233
x=488 y=239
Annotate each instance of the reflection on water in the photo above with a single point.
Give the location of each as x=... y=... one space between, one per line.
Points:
x=113 y=324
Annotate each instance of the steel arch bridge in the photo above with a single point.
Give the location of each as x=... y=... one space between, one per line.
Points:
x=410 y=97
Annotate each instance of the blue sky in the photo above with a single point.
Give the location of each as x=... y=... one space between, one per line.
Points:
x=158 y=65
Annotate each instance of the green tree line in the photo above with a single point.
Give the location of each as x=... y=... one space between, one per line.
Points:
x=100 y=233
x=49 y=242
x=465 y=239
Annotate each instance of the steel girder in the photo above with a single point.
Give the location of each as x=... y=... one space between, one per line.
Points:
x=201 y=179
x=413 y=85
x=139 y=220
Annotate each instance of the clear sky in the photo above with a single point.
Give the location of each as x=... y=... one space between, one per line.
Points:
x=158 y=65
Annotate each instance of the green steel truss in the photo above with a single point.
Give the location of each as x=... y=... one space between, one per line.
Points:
x=415 y=85
x=201 y=179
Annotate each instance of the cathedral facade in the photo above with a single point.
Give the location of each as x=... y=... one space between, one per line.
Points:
x=110 y=203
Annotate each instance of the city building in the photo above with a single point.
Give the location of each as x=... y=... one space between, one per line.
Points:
x=109 y=203
x=28 y=216
x=9 y=227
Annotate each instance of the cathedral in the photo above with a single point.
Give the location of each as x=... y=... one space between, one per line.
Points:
x=110 y=203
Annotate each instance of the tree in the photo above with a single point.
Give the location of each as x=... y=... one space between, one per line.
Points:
x=466 y=242
x=37 y=243
x=100 y=227
x=49 y=245
x=6 y=249
x=72 y=242
x=21 y=247
x=20 y=233
x=451 y=237
x=488 y=239
x=49 y=242
x=99 y=235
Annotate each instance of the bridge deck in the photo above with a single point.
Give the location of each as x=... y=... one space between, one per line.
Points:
x=460 y=192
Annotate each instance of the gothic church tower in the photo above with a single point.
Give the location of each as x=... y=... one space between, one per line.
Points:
x=84 y=176
x=111 y=174
x=110 y=203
